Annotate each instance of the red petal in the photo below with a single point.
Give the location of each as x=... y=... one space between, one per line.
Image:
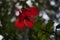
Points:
x=19 y=25
x=30 y=11
x=31 y=19
x=28 y=24
x=33 y=11
x=24 y=12
x=21 y=17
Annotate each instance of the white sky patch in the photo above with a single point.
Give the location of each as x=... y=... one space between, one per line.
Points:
x=59 y=8
x=1 y=37
x=0 y=2
x=29 y=3
x=13 y=19
x=9 y=13
x=17 y=13
x=52 y=3
x=45 y=16
x=18 y=6
x=51 y=36
x=58 y=29
x=55 y=24
x=58 y=15
x=59 y=19
x=36 y=4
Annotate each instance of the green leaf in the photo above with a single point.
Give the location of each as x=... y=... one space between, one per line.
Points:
x=49 y=24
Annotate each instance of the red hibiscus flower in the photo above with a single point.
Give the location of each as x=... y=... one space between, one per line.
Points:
x=26 y=17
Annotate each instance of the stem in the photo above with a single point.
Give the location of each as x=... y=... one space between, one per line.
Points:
x=25 y=34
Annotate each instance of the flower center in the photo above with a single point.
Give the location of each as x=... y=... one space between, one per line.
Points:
x=26 y=18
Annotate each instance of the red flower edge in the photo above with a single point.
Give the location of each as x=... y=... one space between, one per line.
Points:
x=26 y=17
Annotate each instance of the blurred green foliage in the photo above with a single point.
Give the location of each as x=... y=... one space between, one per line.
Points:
x=40 y=31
